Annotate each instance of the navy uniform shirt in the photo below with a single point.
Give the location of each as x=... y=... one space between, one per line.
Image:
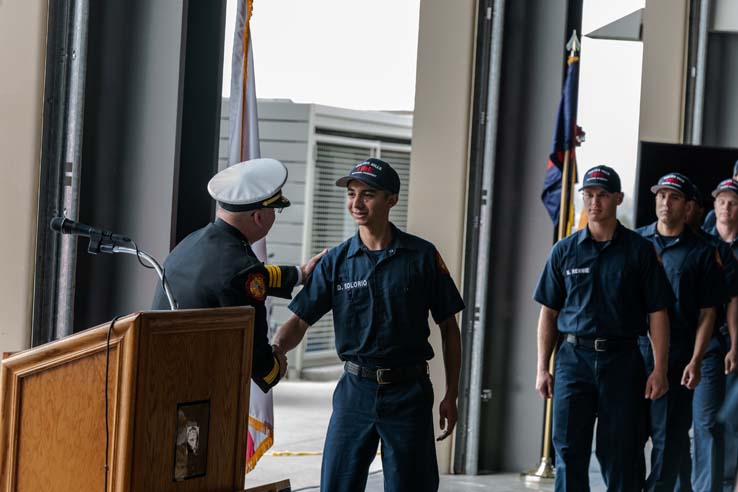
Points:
x=380 y=300
x=215 y=267
x=694 y=269
x=710 y=220
x=730 y=267
x=604 y=289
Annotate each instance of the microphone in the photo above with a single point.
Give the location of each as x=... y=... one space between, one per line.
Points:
x=100 y=240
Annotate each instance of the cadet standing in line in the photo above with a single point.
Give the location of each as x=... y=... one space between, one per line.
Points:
x=381 y=285
x=215 y=266
x=697 y=472
x=706 y=475
x=694 y=270
x=710 y=219
x=599 y=287
x=726 y=229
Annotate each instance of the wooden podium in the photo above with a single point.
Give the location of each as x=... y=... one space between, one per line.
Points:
x=177 y=402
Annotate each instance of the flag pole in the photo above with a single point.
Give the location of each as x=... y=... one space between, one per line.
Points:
x=546 y=470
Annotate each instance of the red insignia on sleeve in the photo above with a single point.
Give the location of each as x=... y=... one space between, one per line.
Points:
x=718 y=260
x=658 y=257
x=441 y=265
x=256 y=286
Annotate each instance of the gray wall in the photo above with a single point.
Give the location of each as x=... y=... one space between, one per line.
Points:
x=284 y=130
x=22 y=51
x=522 y=233
x=721 y=91
x=129 y=150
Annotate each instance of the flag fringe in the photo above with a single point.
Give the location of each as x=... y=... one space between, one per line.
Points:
x=259 y=452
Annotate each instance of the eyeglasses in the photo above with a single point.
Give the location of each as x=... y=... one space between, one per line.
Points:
x=276 y=210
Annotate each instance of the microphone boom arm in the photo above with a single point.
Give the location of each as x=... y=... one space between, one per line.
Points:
x=155 y=264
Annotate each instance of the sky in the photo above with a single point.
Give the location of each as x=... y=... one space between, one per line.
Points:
x=609 y=95
x=358 y=54
x=361 y=54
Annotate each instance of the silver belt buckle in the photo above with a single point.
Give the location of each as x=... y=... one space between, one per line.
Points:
x=380 y=376
x=600 y=344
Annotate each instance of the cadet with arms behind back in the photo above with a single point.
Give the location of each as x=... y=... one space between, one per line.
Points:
x=381 y=285
x=597 y=290
x=216 y=267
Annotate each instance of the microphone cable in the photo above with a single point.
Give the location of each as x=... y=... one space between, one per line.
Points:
x=106 y=467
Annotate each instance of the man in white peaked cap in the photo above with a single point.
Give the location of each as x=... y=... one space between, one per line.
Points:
x=215 y=266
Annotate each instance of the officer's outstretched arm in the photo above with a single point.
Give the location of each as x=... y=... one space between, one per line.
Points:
x=307 y=268
x=268 y=377
x=290 y=334
x=263 y=280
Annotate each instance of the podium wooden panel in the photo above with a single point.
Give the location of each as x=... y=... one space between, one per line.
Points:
x=52 y=404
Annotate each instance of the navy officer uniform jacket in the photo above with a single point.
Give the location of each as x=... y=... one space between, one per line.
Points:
x=604 y=289
x=694 y=269
x=215 y=267
x=380 y=300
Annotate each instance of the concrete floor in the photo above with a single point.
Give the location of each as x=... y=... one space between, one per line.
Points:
x=301 y=412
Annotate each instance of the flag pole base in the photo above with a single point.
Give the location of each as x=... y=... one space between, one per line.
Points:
x=544 y=472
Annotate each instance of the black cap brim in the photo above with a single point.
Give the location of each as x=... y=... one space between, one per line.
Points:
x=715 y=193
x=344 y=182
x=655 y=189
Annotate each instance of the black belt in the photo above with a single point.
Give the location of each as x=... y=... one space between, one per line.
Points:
x=388 y=376
x=602 y=344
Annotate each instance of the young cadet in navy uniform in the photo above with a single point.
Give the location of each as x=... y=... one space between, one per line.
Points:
x=710 y=219
x=708 y=450
x=381 y=284
x=726 y=230
x=215 y=266
x=694 y=269
x=599 y=287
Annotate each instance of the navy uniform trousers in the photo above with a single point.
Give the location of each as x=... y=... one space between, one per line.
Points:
x=730 y=427
x=715 y=444
x=668 y=421
x=727 y=417
x=365 y=413
x=609 y=387
x=708 y=447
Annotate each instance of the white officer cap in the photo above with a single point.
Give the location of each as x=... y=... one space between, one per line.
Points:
x=250 y=185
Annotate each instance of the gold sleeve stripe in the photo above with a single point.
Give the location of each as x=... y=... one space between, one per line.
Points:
x=275 y=276
x=269 y=378
x=269 y=274
x=272 y=275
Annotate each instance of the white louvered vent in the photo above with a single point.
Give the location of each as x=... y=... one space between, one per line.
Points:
x=331 y=223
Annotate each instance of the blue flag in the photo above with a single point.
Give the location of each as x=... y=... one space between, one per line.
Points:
x=565 y=138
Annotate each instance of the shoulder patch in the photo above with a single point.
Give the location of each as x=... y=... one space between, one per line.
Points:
x=718 y=260
x=658 y=256
x=256 y=286
x=441 y=265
